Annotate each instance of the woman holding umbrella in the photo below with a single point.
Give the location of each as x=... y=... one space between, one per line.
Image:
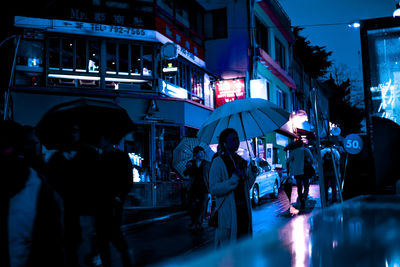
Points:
x=230 y=181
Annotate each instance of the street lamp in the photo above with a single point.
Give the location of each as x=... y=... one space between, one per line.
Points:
x=355 y=25
x=396 y=12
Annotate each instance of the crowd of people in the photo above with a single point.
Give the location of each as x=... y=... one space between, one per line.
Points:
x=65 y=211
x=228 y=178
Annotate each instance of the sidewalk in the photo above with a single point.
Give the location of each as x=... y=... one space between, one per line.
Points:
x=135 y=216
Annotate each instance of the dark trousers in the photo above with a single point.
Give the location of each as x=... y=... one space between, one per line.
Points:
x=330 y=181
x=108 y=223
x=303 y=186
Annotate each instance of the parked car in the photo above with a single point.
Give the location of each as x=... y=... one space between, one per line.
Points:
x=267 y=182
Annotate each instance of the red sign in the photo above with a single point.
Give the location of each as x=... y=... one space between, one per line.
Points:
x=229 y=90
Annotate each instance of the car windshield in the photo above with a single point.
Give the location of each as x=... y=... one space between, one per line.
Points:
x=264 y=165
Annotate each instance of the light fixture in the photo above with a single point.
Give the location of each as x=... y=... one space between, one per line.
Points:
x=355 y=25
x=396 y=12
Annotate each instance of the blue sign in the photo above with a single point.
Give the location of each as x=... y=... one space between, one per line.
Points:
x=353 y=144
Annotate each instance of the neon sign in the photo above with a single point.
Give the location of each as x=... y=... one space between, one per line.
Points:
x=229 y=90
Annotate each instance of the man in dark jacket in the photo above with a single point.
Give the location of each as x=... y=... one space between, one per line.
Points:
x=197 y=169
x=115 y=180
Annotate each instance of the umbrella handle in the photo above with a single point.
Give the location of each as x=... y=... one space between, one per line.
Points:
x=244 y=132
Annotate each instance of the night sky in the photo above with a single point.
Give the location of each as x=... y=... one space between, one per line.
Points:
x=343 y=41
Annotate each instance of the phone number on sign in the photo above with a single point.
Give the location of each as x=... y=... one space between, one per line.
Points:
x=117 y=29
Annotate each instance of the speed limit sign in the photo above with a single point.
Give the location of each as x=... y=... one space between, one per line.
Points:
x=353 y=144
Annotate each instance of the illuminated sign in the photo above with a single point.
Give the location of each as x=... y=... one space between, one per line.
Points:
x=173 y=90
x=170 y=68
x=258 y=89
x=85 y=28
x=229 y=90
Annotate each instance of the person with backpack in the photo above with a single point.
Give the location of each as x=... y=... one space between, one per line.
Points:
x=330 y=155
x=300 y=166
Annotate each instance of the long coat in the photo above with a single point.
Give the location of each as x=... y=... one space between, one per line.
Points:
x=223 y=189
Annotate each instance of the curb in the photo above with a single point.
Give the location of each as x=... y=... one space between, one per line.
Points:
x=148 y=221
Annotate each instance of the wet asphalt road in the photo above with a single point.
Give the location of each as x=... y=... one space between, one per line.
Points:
x=164 y=240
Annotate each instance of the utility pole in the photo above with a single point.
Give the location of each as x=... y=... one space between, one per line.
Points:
x=7 y=91
x=318 y=147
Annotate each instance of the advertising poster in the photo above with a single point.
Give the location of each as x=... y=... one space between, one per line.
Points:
x=229 y=90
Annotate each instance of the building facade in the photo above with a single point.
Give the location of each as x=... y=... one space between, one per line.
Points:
x=248 y=46
x=146 y=56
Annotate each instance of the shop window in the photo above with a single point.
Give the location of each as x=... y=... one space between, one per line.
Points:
x=67 y=54
x=54 y=53
x=81 y=55
x=123 y=66
x=111 y=58
x=139 y=153
x=94 y=56
x=167 y=138
x=197 y=82
x=135 y=59
x=29 y=63
x=147 y=60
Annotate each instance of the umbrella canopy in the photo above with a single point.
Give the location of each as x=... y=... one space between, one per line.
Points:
x=250 y=117
x=95 y=118
x=184 y=152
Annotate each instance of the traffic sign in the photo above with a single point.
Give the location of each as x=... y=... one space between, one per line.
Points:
x=353 y=144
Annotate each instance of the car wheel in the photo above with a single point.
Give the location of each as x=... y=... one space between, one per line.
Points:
x=256 y=196
x=274 y=193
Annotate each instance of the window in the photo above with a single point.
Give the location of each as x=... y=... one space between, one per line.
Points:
x=67 y=53
x=187 y=77
x=268 y=90
x=167 y=5
x=29 y=63
x=123 y=52
x=216 y=24
x=94 y=56
x=135 y=59
x=280 y=54
x=54 y=53
x=147 y=60
x=111 y=58
x=262 y=35
x=81 y=55
x=76 y=62
x=281 y=98
x=182 y=12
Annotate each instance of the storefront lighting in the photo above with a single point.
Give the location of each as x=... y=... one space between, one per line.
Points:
x=93 y=78
x=67 y=76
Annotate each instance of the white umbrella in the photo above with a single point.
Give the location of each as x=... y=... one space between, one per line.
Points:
x=250 y=117
x=184 y=152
